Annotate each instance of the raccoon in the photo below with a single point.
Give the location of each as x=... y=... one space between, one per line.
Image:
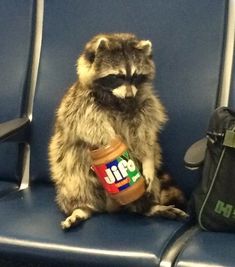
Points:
x=113 y=95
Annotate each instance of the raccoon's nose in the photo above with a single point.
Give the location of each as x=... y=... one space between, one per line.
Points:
x=130 y=90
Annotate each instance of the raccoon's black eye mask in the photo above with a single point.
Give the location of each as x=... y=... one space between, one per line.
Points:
x=113 y=81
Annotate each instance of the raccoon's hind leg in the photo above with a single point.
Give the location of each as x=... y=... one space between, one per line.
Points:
x=77 y=216
x=79 y=200
x=170 y=193
x=159 y=209
x=166 y=211
x=149 y=205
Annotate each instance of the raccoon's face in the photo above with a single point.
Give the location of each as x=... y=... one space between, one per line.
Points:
x=117 y=68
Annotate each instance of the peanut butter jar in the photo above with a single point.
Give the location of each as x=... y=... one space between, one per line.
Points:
x=118 y=172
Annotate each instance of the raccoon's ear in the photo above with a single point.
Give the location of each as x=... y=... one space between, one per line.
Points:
x=92 y=49
x=101 y=44
x=146 y=46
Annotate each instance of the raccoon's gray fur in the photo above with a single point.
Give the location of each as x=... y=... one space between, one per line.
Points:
x=112 y=96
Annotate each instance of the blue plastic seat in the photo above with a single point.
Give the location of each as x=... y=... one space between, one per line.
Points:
x=208 y=249
x=16 y=30
x=33 y=229
x=187 y=39
x=232 y=92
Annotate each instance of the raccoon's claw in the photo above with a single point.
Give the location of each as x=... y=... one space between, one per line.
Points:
x=69 y=222
x=148 y=185
x=148 y=182
x=148 y=172
x=168 y=212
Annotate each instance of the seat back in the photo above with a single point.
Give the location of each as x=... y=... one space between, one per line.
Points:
x=16 y=24
x=187 y=39
x=232 y=90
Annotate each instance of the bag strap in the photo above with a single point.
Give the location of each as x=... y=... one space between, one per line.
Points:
x=200 y=219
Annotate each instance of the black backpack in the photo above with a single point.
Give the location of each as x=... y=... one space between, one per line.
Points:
x=214 y=198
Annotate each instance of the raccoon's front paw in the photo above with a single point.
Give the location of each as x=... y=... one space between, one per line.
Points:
x=77 y=216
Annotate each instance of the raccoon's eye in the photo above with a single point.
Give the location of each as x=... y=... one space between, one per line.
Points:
x=138 y=79
x=111 y=81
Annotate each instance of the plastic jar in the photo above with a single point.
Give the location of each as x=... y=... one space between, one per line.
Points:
x=117 y=172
